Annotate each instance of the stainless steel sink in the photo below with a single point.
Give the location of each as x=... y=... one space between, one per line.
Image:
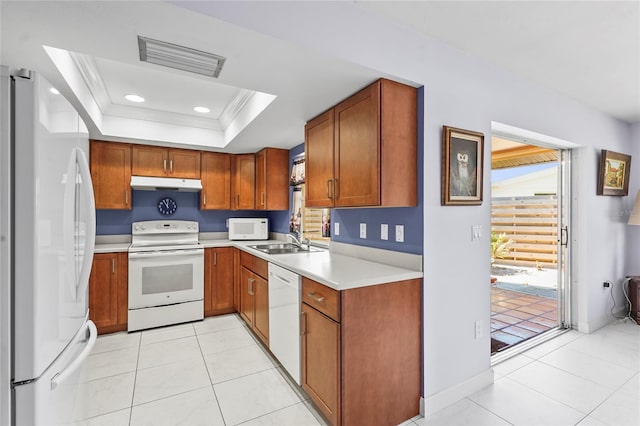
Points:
x=283 y=248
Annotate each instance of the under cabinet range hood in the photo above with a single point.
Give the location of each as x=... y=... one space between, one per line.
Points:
x=146 y=183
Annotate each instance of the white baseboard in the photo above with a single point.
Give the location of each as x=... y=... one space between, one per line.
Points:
x=588 y=327
x=455 y=393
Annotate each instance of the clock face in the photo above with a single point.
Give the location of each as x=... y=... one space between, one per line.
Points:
x=167 y=206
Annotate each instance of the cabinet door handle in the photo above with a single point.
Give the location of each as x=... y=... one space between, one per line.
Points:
x=250 y=289
x=171 y=166
x=303 y=323
x=316 y=297
x=336 y=187
x=215 y=259
x=329 y=189
x=262 y=198
x=113 y=265
x=237 y=200
x=126 y=198
x=164 y=166
x=204 y=198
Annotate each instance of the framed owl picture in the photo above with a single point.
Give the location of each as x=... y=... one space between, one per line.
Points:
x=462 y=154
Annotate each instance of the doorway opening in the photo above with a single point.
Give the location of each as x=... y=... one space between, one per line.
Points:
x=529 y=230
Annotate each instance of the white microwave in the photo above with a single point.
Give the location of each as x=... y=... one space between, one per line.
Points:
x=248 y=228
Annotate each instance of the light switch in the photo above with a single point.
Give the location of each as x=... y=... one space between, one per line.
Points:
x=476 y=232
x=384 y=231
x=336 y=228
x=400 y=233
x=363 y=230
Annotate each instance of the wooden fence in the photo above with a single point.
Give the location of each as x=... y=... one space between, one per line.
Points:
x=531 y=222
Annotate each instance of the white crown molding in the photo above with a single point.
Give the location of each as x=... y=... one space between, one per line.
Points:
x=88 y=69
x=234 y=107
x=147 y=114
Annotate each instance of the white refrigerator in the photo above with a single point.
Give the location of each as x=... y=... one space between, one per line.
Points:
x=47 y=224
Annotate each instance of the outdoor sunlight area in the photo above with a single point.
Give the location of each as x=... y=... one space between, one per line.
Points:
x=524 y=243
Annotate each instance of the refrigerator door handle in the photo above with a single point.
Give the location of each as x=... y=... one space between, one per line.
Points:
x=90 y=209
x=73 y=366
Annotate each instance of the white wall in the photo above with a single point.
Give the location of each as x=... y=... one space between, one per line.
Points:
x=464 y=92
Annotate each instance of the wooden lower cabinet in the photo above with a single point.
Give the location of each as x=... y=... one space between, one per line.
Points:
x=261 y=306
x=254 y=295
x=108 y=292
x=320 y=346
x=218 y=281
x=361 y=352
x=247 y=296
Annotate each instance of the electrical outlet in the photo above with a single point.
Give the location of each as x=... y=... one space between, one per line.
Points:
x=363 y=230
x=399 y=233
x=336 y=228
x=384 y=231
x=478 y=329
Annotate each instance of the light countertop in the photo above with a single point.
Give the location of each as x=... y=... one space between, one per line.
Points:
x=111 y=247
x=337 y=271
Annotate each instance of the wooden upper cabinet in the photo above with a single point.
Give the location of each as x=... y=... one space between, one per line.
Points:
x=216 y=181
x=149 y=161
x=272 y=179
x=184 y=163
x=319 y=160
x=243 y=182
x=110 y=164
x=363 y=152
x=357 y=149
x=165 y=162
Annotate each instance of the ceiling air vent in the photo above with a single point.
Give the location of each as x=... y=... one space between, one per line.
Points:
x=179 y=57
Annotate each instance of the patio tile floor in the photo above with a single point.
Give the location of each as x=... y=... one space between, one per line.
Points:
x=516 y=316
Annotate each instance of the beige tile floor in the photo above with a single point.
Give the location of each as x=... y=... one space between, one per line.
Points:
x=205 y=373
x=215 y=373
x=574 y=379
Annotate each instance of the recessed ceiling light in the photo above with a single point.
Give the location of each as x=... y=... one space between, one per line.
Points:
x=54 y=91
x=201 y=109
x=134 y=98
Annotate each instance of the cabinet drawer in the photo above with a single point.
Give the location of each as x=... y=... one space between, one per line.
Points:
x=321 y=297
x=255 y=264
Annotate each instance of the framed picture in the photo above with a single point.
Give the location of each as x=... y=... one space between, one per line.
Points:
x=613 y=173
x=462 y=152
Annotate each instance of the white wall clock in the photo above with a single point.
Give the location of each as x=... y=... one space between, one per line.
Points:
x=167 y=206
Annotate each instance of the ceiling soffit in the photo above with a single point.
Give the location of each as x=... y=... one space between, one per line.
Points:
x=89 y=70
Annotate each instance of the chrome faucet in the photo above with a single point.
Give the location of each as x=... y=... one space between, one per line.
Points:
x=298 y=241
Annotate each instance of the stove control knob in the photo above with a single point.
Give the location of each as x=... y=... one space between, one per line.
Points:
x=137 y=228
x=144 y=227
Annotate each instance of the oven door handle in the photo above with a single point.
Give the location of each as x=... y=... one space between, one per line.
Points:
x=148 y=254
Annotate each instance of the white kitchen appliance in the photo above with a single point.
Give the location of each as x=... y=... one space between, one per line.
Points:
x=248 y=228
x=47 y=239
x=166 y=274
x=284 y=319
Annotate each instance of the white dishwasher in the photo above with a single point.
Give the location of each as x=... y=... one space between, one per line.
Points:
x=284 y=318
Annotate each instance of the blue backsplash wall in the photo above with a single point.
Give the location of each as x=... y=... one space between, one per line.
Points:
x=145 y=207
x=110 y=222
